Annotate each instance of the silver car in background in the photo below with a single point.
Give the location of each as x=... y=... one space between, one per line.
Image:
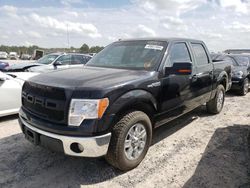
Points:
x=3 y=55
x=51 y=62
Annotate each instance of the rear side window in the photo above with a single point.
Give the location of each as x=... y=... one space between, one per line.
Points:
x=78 y=59
x=200 y=54
x=179 y=53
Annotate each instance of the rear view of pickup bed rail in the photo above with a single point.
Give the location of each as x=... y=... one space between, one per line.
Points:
x=110 y=107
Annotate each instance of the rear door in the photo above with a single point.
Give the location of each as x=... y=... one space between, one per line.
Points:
x=78 y=61
x=203 y=79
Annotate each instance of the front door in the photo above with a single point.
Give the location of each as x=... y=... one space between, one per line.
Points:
x=175 y=89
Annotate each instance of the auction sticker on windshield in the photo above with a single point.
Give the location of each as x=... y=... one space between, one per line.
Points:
x=154 y=47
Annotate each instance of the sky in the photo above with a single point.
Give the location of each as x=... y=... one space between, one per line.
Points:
x=222 y=24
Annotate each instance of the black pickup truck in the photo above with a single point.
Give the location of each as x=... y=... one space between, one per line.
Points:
x=111 y=106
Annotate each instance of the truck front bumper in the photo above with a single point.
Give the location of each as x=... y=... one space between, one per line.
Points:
x=75 y=146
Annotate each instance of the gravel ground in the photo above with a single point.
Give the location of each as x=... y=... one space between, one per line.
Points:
x=196 y=150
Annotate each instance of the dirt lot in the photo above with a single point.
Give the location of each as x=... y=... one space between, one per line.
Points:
x=196 y=150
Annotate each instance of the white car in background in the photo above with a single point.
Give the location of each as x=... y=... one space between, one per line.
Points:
x=3 y=55
x=13 y=55
x=10 y=91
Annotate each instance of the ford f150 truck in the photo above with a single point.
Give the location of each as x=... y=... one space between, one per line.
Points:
x=111 y=106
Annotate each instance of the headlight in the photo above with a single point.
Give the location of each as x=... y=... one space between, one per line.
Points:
x=81 y=109
x=238 y=74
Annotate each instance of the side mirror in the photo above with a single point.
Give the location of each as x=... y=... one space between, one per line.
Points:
x=179 y=68
x=57 y=63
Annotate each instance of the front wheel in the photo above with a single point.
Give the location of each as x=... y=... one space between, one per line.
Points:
x=215 y=105
x=130 y=140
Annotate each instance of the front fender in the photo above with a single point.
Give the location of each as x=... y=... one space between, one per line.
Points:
x=131 y=98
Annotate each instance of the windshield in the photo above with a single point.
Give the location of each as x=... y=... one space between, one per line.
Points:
x=135 y=55
x=47 y=59
x=242 y=60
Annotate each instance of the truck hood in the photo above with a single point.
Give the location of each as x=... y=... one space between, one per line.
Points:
x=90 y=78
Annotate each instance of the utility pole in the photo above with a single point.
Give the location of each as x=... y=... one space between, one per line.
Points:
x=68 y=35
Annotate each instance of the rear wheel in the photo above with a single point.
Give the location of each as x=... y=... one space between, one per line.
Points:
x=131 y=138
x=215 y=105
x=245 y=87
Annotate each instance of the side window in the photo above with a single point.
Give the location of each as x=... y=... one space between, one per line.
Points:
x=179 y=53
x=77 y=59
x=64 y=59
x=200 y=54
x=230 y=60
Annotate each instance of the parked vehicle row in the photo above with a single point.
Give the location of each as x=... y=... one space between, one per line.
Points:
x=3 y=55
x=11 y=55
x=111 y=105
x=51 y=62
x=241 y=70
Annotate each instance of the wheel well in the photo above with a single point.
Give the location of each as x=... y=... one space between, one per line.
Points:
x=223 y=82
x=145 y=107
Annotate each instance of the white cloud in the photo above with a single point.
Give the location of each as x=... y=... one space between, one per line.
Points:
x=177 y=6
x=143 y=31
x=71 y=13
x=68 y=3
x=240 y=27
x=220 y=23
x=172 y=20
x=237 y=5
x=27 y=43
x=34 y=34
x=20 y=32
x=64 y=26
x=9 y=10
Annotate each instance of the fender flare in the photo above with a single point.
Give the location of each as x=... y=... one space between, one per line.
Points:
x=221 y=77
x=131 y=98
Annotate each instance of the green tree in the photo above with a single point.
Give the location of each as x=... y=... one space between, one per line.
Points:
x=95 y=49
x=84 y=48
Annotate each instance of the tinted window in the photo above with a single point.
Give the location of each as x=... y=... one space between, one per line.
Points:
x=179 y=53
x=80 y=59
x=77 y=59
x=138 y=55
x=242 y=60
x=64 y=59
x=200 y=54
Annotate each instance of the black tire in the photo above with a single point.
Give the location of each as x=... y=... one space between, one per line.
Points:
x=116 y=153
x=212 y=105
x=245 y=86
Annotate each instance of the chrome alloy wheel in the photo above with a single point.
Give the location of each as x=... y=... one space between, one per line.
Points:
x=135 y=141
x=220 y=100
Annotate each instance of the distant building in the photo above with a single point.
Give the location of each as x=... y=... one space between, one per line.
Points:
x=237 y=51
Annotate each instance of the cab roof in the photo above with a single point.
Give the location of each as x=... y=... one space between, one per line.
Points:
x=162 y=39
